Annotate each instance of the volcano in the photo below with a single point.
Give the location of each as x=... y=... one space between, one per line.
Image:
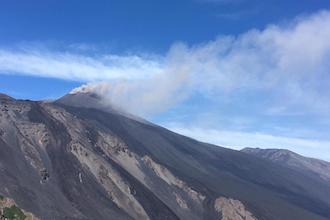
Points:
x=79 y=158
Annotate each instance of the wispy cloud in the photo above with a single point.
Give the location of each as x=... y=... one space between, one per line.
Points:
x=290 y=63
x=238 y=140
x=282 y=68
x=71 y=66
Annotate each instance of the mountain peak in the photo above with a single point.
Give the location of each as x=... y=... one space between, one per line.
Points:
x=88 y=99
x=267 y=151
x=293 y=160
x=5 y=97
x=84 y=99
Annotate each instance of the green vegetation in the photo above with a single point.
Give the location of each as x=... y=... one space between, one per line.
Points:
x=2 y=197
x=13 y=213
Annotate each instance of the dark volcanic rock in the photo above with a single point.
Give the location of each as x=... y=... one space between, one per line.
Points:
x=314 y=167
x=76 y=159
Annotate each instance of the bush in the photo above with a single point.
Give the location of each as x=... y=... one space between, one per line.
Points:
x=13 y=213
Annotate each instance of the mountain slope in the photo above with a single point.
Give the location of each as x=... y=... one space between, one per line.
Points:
x=61 y=160
x=314 y=167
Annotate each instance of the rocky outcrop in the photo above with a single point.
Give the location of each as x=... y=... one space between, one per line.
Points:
x=118 y=189
x=231 y=209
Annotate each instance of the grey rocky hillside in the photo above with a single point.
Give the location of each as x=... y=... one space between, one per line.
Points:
x=74 y=159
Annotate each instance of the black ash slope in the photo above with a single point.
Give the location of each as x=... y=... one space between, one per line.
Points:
x=146 y=172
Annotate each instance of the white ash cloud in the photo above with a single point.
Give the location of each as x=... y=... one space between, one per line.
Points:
x=289 y=61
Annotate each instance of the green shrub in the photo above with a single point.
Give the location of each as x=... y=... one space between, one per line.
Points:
x=13 y=213
x=2 y=197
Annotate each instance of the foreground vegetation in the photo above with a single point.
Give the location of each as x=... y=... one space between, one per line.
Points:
x=13 y=213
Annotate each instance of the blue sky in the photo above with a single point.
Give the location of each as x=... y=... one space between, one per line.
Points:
x=231 y=72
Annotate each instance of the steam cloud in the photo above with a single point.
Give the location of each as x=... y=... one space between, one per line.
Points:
x=291 y=61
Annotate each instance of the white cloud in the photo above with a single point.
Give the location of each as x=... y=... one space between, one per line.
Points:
x=70 y=66
x=285 y=67
x=290 y=62
x=238 y=140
